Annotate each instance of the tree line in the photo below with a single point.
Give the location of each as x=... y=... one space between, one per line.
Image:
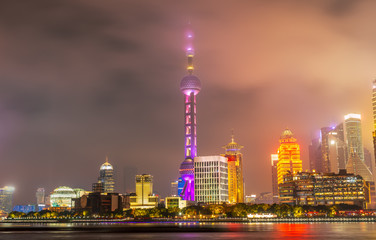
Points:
x=240 y=210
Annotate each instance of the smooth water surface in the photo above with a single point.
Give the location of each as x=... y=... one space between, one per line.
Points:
x=236 y=231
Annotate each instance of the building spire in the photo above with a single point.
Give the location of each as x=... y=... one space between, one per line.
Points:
x=106 y=159
x=232 y=136
x=189 y=50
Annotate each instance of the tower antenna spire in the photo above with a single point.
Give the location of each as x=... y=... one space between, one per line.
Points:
x=232 y=135
x=189 y=49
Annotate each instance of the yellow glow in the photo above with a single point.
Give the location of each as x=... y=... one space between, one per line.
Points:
x=288 y=158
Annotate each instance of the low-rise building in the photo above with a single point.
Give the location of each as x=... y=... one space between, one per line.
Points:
x=311 y=188
x=100 y=203
x=175 y=201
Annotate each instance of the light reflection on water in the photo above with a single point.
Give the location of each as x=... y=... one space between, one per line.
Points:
x=237 y=231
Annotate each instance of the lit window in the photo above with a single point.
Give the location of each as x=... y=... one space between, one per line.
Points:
x=188 y=119
x=188 y=143
x=188 y=130
x=188 y=151
x=188 y=109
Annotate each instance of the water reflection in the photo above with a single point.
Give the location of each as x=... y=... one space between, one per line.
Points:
x=237 y=231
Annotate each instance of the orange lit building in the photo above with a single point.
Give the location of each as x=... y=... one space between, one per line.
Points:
x=235 y=172
x=288 y=155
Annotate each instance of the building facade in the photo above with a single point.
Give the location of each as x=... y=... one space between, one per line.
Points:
x=353 y=135
x=40 y=195
x=144 y=197
x=106 y=177
x=99 y=203
x=274 y=163
x=356 y=166
x=235 y=171
x=62 y=197
x=176 y=202
x=328 y=152
x=211 y=179
x=6 y=199
x=311 y=188
x=374 y=115
x=288 y=155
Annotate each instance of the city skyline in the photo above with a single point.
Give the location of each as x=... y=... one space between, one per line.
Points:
x=104 y=79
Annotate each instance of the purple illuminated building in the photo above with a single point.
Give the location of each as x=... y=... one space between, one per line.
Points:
x=190 y=86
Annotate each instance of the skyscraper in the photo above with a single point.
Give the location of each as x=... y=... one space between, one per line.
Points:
x=211 y=179
x=353 y=135
x=374 y=115
x=288 y=155
x=325 y=149
x=190 y=86
x=358 y=167
x=40 y=196
x=6 y=199
x=106 y=177
x=315 y=159
x=274 y=163
x=368 y=159
x=235 y=171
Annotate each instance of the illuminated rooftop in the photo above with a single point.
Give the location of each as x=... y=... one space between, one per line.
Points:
x=106 y=165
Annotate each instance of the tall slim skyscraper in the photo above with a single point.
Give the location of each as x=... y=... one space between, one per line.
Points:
x=40 y=196
x=190 y=86
x=353 y=135
x=106 y=177
x=374 y=115
x=288 y=155
x=235 y=171
x=6 y=199
x=368 y=159
x=274 y=163
x=315 y=159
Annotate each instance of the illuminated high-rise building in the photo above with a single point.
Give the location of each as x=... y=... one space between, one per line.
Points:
x=368 y=159
x=353 y=135
x=211 y=179
x=235 y=171
x=356 y=166
x=274 y=163
x=315 y=159
x=106 y=177
x=40 y=196
x=288 y=155
x=6 y=199
x=190 y=86
x=374 y=115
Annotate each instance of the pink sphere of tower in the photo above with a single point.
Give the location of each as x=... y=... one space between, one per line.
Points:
x=189 y=84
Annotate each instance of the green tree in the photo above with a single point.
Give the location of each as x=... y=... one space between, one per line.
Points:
x=15 y=214
x=298 y=211
x=141 y=212
x=216 y=209
x=173 y=212
x=240 y=210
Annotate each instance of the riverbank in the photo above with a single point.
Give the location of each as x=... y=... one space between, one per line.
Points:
x=221 y=220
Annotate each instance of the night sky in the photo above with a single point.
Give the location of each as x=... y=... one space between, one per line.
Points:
x=80 y=80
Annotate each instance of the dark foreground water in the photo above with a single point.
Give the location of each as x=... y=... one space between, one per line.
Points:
x=196 y=231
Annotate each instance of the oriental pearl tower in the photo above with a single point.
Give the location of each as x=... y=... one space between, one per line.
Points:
x=190 y=86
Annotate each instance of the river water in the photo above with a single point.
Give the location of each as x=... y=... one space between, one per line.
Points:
x=236 y=231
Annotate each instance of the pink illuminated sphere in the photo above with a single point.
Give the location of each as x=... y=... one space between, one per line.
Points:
x=189 y=84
